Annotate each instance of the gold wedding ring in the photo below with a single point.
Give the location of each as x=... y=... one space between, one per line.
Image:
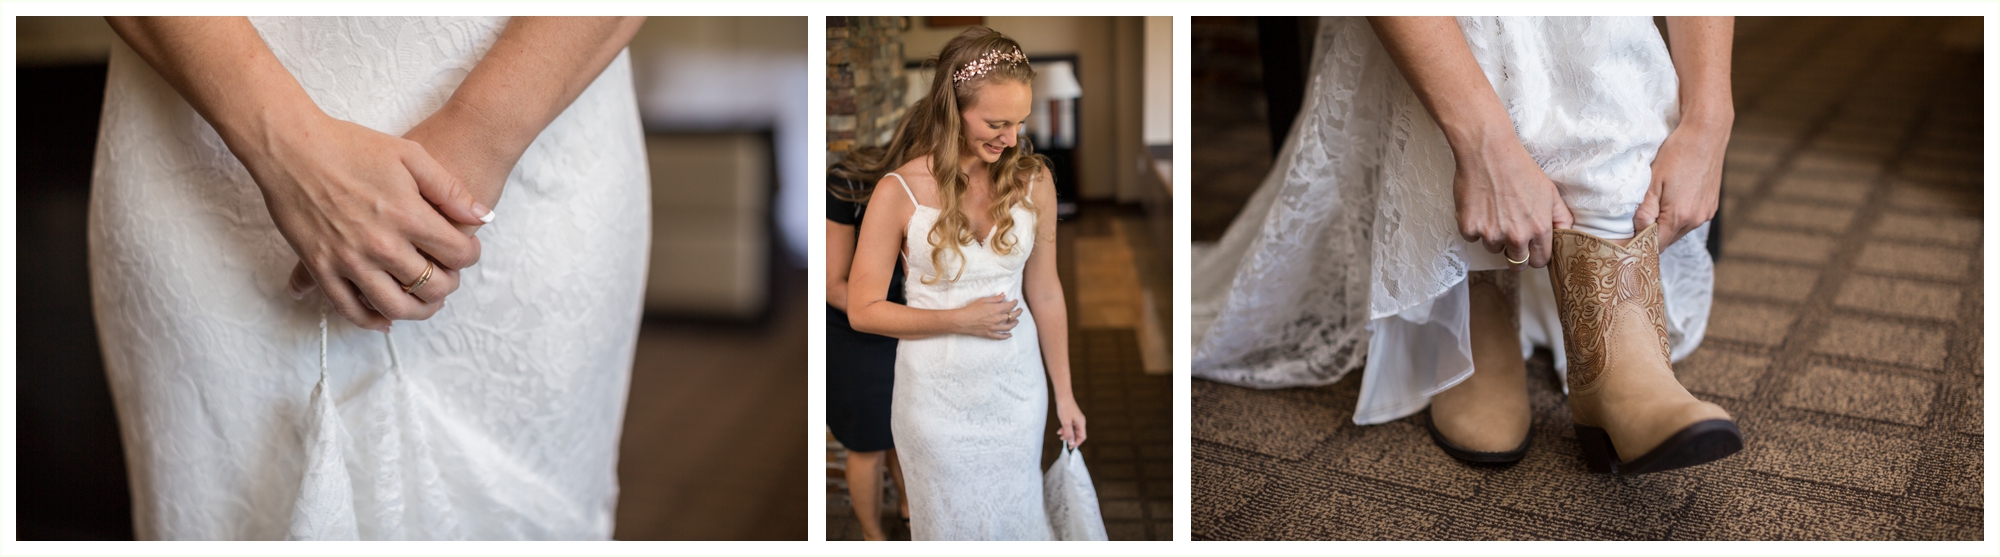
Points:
x=1511 y=260
x=421 y=279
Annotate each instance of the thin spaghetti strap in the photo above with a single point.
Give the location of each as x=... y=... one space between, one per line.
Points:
x=1031 y=184
x=906 y=187
x=904 y=250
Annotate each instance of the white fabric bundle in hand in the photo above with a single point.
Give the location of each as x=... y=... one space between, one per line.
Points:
x=1071 y=500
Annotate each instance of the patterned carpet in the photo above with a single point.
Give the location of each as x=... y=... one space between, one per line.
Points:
x=1845 y=337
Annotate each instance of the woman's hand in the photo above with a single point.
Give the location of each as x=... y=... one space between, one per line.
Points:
x=1687 y=170
x=991 y=317
x=535 y=69
x=1042 y=289
x=349 y=200
x=357 y=204
x=453 y=142
x=1505 y=202
x=1686 y=184
x=1504 y=199
x=1072 y=430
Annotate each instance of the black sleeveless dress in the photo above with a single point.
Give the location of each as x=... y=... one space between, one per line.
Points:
x=860 y=367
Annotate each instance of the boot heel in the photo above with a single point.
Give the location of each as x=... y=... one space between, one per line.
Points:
x=1598 y=455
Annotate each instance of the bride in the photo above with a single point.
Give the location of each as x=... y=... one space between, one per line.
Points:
x=1437 y=166
x=973 y=212
x=243 y=164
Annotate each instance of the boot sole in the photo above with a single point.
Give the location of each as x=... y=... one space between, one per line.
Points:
x=1701 y=443
x=1476 y=457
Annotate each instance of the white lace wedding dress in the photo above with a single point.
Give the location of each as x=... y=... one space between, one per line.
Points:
x=969 y=413
x=1349 y=252
x=498 y=418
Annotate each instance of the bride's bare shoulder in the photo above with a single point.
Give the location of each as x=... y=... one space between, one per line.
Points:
x=917 y=174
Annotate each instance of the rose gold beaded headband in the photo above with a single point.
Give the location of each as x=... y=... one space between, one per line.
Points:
x=992 y=59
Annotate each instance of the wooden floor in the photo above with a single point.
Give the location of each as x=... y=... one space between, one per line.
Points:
x=715 y=436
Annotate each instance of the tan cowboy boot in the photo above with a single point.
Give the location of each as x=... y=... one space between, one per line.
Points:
x=1632 y=416
x=1486 y=417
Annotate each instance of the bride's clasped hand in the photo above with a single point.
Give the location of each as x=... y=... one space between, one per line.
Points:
x=371 y=209
x=455 y=177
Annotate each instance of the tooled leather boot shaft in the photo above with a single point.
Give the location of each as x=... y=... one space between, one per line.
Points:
x=1595 y=281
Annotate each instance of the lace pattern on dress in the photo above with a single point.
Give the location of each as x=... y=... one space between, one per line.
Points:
x=1355 y=222
x=969 y=413
x=498 y=418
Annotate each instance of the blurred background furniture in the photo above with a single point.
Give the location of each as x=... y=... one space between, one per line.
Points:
x=723 y=101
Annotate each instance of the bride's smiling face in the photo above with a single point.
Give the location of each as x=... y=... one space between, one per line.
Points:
x=993 y=123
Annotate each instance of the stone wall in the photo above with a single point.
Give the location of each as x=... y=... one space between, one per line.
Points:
x=864 y=82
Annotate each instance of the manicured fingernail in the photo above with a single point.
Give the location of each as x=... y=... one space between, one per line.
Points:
x=485 y=214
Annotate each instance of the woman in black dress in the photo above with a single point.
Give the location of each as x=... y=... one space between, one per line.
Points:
x=860 y=367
